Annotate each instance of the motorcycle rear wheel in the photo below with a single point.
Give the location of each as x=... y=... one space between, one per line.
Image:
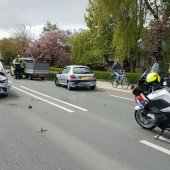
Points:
x=142 y=121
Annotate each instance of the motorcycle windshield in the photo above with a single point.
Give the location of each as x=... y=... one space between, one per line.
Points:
x=155 y=68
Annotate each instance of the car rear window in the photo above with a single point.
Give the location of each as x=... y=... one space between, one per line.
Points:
x=82 y=70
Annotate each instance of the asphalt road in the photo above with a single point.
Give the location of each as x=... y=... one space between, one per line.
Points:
x=83 y=130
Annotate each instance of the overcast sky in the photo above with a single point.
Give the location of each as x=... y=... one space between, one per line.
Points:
x=67 y=14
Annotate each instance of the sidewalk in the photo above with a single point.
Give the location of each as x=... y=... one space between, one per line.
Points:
x=107 y=85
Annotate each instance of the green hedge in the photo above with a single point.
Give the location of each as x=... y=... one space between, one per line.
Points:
x=133 y=77
x=104 y=75
x=54 y=69
x=100 y=75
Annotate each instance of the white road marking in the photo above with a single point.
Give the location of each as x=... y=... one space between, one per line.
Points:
x=10 y=81
x=163 y=139
x=121 y=97
x=44 y=100
x=155 y=147
x=80 y=108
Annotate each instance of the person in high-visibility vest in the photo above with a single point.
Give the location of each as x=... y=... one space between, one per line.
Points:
x=17 y=69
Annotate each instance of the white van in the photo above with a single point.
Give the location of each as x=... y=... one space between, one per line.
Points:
x=3 y=81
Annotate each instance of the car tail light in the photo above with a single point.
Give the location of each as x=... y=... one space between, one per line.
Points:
x=73 y=76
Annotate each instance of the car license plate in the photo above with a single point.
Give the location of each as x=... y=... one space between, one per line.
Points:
x=85 y=78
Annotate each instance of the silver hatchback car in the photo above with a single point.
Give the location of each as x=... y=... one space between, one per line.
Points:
x=75 y=76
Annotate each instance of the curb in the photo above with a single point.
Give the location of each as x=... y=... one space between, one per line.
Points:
x=108 y=86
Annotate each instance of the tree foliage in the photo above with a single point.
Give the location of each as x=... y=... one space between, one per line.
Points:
x=89 y=46
x=128 y=17
x=7 y=51
x=16 y=44
x=49 y=27
x=131 y=18
x=81 y=48
x=101 y=30
x=158 y=28
x=21 y=37
x=50 y=48
x=114 y=27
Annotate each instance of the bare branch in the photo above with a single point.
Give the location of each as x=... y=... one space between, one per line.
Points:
x=151 y=9
x=157 y=10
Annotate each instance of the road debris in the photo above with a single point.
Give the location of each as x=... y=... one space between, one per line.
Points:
x=42 y=130
x=35 y=99
x=29 y=107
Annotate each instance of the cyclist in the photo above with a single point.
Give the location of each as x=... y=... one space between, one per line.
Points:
x=117 y=70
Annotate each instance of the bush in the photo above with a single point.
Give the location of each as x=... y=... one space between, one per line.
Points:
x=51 y=76
x=133 y=77
x=53 y=72
x=103 y=75
x=100 y=75
x=54 y=69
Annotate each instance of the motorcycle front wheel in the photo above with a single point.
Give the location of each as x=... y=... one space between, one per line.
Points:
x=142 y=121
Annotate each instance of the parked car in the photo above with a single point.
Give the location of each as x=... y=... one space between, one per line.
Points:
x=75 y=76
x=3 y=81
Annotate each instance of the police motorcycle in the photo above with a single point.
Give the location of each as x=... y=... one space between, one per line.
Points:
x=153 y=101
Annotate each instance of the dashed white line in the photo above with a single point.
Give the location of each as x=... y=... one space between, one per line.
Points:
x=44 y=100
x=121 y=97
x=80 y=108
x=155 y=147
x=163 y=139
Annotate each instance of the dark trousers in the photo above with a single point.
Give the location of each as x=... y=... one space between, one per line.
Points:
x=17 y=74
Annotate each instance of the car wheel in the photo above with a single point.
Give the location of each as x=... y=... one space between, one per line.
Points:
x=69 y=86
x=92 y=87
x=56 y=82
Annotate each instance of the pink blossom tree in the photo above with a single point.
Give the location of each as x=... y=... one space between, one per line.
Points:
x=50 y=48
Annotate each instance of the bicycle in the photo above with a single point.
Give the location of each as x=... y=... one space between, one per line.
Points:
x=122 y=80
